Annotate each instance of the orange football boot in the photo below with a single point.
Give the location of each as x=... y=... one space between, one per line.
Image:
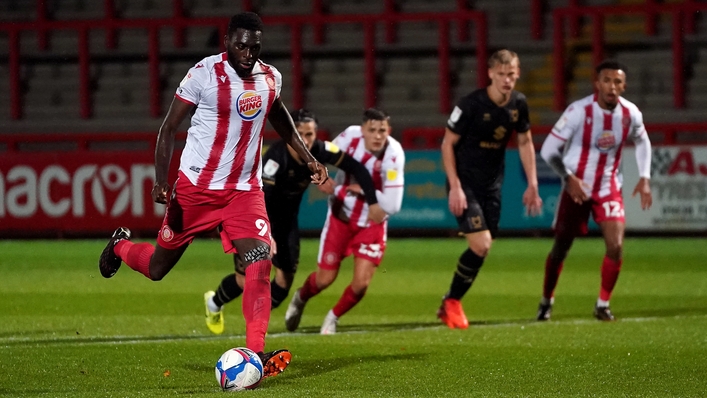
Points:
x=452 y=314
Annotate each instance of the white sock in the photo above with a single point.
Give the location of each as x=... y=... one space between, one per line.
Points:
x=602 y=303
x=212 y=306
x=546 y=301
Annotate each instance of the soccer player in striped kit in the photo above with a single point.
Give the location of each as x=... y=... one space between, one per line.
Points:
x=584 y=148
x=219 y=182
x=347 y=229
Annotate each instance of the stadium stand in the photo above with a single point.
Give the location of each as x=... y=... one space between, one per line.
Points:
x=124 y=91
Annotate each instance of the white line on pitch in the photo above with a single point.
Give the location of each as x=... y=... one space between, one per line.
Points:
x=119 y=340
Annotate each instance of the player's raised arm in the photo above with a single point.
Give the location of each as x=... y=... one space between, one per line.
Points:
x=362 y=176
x=164 y=149
x=285 y=127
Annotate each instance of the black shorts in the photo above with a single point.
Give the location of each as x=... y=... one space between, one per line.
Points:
x=483 y=211
x=287 y=241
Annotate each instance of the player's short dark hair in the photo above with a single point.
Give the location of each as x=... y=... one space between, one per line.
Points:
x=303 y=116
x=374 y=114
x=611 y=64
x=503 y=57
x=245 y=20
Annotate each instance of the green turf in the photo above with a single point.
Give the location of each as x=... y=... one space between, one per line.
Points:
x=66 y=331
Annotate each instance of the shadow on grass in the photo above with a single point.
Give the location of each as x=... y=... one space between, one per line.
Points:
x=316 y=367
x=376 y=327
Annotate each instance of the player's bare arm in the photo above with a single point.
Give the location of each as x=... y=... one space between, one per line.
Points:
x=164 y=149
x=576 y=189
x=643 y=187
x=551 y=152
x=285 y=127
x=526 y=149
x=643 y=161
x=457 y=198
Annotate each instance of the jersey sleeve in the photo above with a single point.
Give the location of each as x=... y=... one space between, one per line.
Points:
x=278 y=82
x=461 y=117
x=273 y=166
x=192 y=85
x=393 y=176
x=638 y=129
x=568 y=123
x=329 y=153
x=523 y=123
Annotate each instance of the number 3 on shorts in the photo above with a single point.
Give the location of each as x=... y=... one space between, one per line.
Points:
x=612 y=209
x=262 y=226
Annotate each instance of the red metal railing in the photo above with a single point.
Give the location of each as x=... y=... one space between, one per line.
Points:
x=153 y=26
x=412 y=138
x=86 y=141
x=431 y=137
x=538 y=10
x=682 y=23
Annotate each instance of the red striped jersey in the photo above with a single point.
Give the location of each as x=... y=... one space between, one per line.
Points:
x=387 y=171
x=224 y=141
x=594 y=140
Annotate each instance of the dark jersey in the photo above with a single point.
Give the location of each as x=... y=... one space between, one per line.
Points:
x=285 y=179
x=485 y=129
x=284 y=182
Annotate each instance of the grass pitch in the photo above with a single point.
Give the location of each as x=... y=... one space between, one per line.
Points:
x=66 y=331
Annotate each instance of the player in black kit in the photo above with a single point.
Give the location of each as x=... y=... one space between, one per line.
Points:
x=473 y=153
x=285 y=179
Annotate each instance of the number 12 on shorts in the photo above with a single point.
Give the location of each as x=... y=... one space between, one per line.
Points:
x=613 y=209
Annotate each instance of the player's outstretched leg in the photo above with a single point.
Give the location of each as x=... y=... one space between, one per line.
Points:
x=275 y=362
x=293 y=315
x=452 y=313
x=214 y=316
x=109 y=262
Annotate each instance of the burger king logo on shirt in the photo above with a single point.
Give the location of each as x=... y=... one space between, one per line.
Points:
x=606 y=141
x=249 y=105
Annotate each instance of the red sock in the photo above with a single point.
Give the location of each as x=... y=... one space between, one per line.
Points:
x=135 y=255
x=256 y=304
x=309 y=289
x=552 y=274
x=609 y=274
x=347 y=301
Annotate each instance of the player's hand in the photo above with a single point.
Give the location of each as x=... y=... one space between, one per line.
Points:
x=355 y=189
x=376 y=213
x=319 y=172
x=575 y=188
x=532 y=201
x=160 y=192
x=327 y=187
x=457 y=201
x=273 y=247
x=644 y=188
